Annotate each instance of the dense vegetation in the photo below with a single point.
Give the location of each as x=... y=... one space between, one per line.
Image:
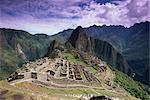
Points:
x=33 y=46
x=134 y=88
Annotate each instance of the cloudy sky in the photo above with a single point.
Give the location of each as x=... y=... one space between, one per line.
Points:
x=52 y=16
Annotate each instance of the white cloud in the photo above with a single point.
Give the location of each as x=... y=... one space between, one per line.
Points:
x=59 y=15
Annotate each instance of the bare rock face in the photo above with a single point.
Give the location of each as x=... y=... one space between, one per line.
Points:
x=20 y=52
x=107 y=52
x=80 y=40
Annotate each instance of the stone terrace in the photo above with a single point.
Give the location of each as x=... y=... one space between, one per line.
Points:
x=58 y=68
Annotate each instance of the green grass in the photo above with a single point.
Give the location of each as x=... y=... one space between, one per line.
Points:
x=51 y=91
x=9 y=57
x=6 y=86
x=71 y=58
x=11 y=91
x=93 y=69
x=74 y=60
x=134 y=88
x=10 y=62
x=55 y=91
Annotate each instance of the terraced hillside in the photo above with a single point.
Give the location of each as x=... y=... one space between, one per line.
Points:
x=68 y=76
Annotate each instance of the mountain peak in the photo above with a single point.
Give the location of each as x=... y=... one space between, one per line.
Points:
x=80 y=40
x=79 y=31
x=79 y=28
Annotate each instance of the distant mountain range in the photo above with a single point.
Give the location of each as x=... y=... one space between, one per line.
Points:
x=131 y=47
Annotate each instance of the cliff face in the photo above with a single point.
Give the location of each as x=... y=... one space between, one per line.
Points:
x=102 y=49
x=105 y=51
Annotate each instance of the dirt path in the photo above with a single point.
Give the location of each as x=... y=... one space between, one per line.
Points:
x=56 y=85
x=51 y=84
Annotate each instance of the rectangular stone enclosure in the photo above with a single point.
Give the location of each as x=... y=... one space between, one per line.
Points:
x=34 y=75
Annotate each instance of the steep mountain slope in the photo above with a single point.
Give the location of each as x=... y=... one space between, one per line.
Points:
x=107 y=52
x=17 y=46
x=128 y=41
x=131 y=42
x=80 y=40
x=62 y=36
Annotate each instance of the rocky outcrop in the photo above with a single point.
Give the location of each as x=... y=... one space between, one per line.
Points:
x=20 y=52
x=80 y=40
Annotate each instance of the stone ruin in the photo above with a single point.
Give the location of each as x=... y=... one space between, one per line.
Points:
x=27 y=75
x=65 y=69
x=58 y=68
